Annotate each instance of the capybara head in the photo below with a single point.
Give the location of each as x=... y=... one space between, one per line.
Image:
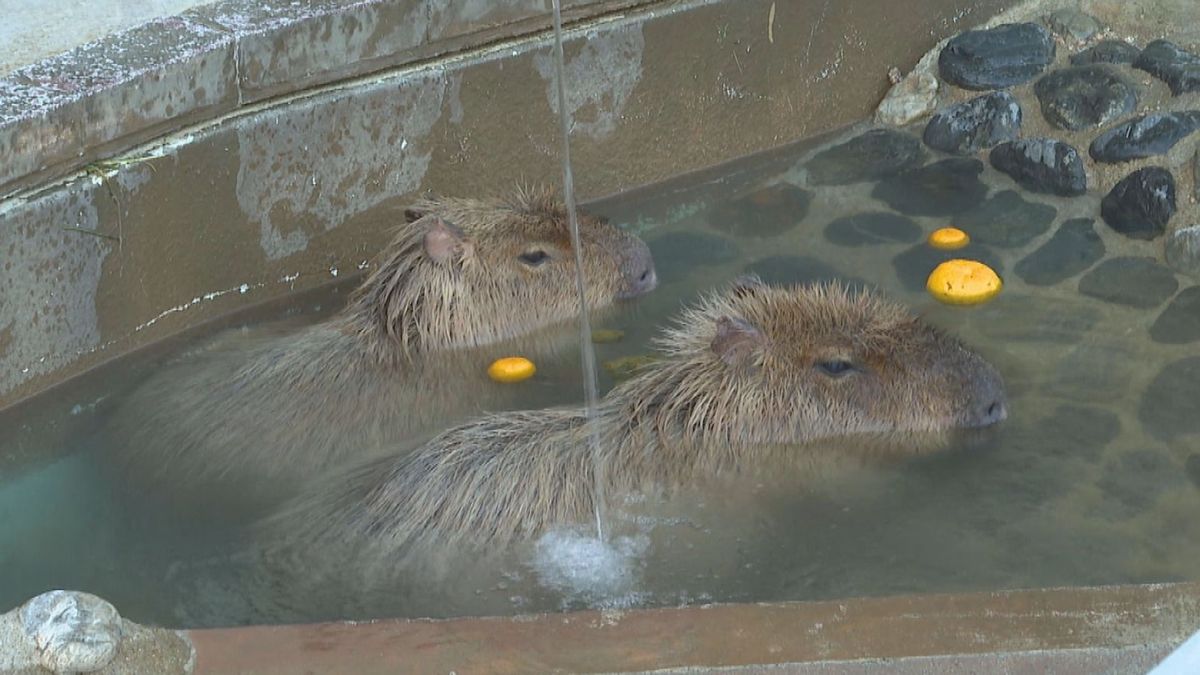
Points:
x=761 y=364
x=468 y=272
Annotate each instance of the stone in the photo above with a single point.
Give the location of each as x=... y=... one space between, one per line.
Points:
x=1072 y=24
x=995 y=58
x=1179 y=323
x=788 y=270
x=1144 y=136
x=1182 y=250
x=1092 y=371
x=1141 y=204
x=943 y=188
x=914 y=264
x=1073 y=249
x=73 y=632
x=875 y=227
x=767 y=212
x=1085 y=97
x=1192 y=468
x=974 y=125
x=1134 y=480
x=1042 y=165
x=1007 y=220
x=1131 y=281
x=1080 y=430
x=876 y=154
x=1172 y=64
x=1039 y=318
x=1168 y=406
x=1107 y=51
x=1196 y=176
x=676 y=254
x=908 y=99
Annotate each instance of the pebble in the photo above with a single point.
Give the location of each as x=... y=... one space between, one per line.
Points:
x=1007 y=220
x=1085 y=97
x=1179 y=323
x=1108 y=51
x=974 y=125
x=1172 y=64
x=913 y=265
x=767 y=212
x=873 y=227
x=1141 y=204
x=73 y=632
x=1073 y=249
x=677 y=254
x=1168 y=405
x=1182 y=250
x=995 y=58
x=1072 y=24
x=786 y=270
x=1139 y=282
x=1042 y=165
x=1144 y=136
x=908 y=100
x=943 y=188
x=876 y=154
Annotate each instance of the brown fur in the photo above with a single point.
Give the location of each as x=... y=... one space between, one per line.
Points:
x=246 y=420
x=740 y=376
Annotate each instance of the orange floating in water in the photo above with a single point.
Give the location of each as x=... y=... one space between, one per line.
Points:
x=511 y=369
x=949 y=238
x=963 y=282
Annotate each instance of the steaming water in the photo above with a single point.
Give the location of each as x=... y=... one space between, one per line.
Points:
x=1075 y=488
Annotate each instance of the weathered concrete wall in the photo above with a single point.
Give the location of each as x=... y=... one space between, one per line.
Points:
x=255 y=198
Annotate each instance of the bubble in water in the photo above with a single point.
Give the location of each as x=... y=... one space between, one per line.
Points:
x=586 y=569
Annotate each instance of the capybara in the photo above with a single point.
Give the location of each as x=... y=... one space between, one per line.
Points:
x=752 y=369
x=245 y=421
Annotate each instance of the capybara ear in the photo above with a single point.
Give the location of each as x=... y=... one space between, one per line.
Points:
x=444 y=241
x=736 y=340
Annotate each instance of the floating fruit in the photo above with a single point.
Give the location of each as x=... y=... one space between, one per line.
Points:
x=949 y=238
x=963 y=282
x=511 y=369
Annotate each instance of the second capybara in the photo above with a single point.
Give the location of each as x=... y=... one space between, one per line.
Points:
x=245 y=421
x=750 y=370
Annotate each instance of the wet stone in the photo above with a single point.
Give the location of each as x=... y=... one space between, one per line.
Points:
x=914 y=264
x=974 y=125
x=1192 y=468
x=1073 y=248
x=1172 y=64
x=1183 y=250
x=676 y=254
x=876 y=154
x=1080 y=430
x=1130 y=281
x=1179 y=323
x=1085 y=97
x=1036 y=318
x=72 y=631
x=1141 y=204
x=1134 y=480
x=1042 y=165
x=786 y=270
x=943 y=188
x=1144 y=136
x=1168 y=406
x=875 y=227
x=767 y=212
x=908 y=99
x=998 y=57
x=1072 y=24
x=1092 y=371
x=1107 y=51
x=1007 y=220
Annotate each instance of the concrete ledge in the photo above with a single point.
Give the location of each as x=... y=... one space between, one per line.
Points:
x=1118 y=629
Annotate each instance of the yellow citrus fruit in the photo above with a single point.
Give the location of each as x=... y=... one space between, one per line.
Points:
x=511 y=369
x=963 y=282
x=949 y=238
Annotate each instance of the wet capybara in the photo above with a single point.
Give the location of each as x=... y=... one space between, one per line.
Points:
x=244 y=421
x=749 y=370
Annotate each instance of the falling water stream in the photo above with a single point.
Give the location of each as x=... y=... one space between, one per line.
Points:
x=585 y=330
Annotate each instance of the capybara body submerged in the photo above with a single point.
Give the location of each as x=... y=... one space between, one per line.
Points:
x=248 y=419
x=751 y=370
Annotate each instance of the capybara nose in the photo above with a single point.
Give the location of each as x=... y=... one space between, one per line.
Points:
x=640 y=277
x=992 y=413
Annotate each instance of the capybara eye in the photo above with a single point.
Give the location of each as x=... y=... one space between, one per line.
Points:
x=836 y=368
x=534 y=258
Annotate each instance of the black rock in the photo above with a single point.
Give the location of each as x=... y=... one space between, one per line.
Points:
x=766 y=212
x=1179 y=323
x=876 y=227
x=943 y=188
x=1084 y=97
x=1167 y=61
x=1107 y=51
x=876 y=154
x=913 y=265
x=1130 y=281
x=1073 y=24
x=1042 y=165
x=1141 y=204
x=786 y=270
x=1168 y=406
x=1006 y=220
x=678 y=253
x=1144 y=136
x=982 y=122
x=1073 y=248
x=997 y=57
